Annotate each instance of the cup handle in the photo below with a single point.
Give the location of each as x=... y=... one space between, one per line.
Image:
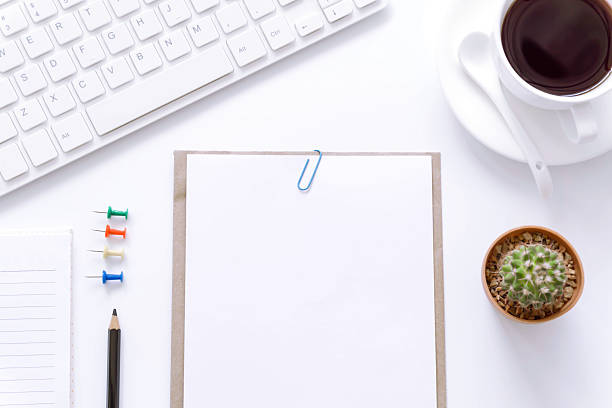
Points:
x=579 y=123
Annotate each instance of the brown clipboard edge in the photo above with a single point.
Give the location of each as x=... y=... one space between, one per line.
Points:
x=178 y=265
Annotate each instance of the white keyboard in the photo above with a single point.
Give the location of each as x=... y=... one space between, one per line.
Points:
x=76 y=75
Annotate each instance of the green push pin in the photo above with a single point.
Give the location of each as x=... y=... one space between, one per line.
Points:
x=113 y=213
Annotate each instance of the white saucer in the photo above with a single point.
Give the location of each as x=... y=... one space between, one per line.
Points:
x=479 y=116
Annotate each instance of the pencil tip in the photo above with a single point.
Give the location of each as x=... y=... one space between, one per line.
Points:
x=114 y=312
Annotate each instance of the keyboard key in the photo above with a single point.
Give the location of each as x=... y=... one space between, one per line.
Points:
x=174 y=12
x=60 y=66
x=66 y=29
x=7 y=93
x=309 y=24
x=37 y=43
x=124 y=7
x=125 y=106
x=7 y=128
x=95 y=15
x=88 y=52
x=146 y=59
x=118 y=39
x=203 y=31
x=59 y=101
x=12 y=20
x=364 y=3
x=72 y=132
x=40 y=9
x=285 y=2
x=246 y=47
x=146 y=25
x=66 y=4
x=259 y=8
x=231 y=18
x=277 y=32
x=10 y=56
x=339 y=11
x=30 y=114
x=88 y=87
x=30 y=80
x=39 y=148
x=201 y=6
x=327 y=3
x=117 y=73
x=174 y=45
x=12 y=163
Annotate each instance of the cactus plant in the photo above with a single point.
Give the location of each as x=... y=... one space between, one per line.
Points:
x=533 y=275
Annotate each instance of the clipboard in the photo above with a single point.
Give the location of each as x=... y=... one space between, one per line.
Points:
x=179 y=251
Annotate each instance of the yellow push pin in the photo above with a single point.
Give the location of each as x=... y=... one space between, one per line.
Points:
x=109 y=252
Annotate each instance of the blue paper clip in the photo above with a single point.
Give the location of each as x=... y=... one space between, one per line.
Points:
x=313 y=174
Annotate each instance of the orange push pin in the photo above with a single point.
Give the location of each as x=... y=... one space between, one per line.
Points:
x=110 y=231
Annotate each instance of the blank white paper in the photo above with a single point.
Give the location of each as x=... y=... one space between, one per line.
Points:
x=35 y=319
x=298 y=300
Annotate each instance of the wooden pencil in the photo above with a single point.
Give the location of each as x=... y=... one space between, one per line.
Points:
x=114 y=360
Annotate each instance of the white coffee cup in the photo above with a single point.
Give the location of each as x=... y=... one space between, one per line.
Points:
x=575 y=111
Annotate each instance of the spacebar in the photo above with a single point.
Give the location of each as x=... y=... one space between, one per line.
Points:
x=159 y=90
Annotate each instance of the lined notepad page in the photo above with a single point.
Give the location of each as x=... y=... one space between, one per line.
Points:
x=35 y=282
x=300 y=300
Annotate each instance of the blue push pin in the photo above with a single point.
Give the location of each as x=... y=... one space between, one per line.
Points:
x=107 y=277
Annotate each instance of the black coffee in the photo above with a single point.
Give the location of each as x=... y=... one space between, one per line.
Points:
x=562 y=47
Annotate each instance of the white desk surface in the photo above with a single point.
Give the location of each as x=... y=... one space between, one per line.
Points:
x=371 y=88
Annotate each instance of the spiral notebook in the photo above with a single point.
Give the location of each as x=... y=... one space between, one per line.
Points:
x=35 y=346
x=330 y=298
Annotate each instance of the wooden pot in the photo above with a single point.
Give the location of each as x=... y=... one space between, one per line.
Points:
x=561 y=241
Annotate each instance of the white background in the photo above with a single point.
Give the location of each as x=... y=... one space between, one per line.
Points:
x=373 y=87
